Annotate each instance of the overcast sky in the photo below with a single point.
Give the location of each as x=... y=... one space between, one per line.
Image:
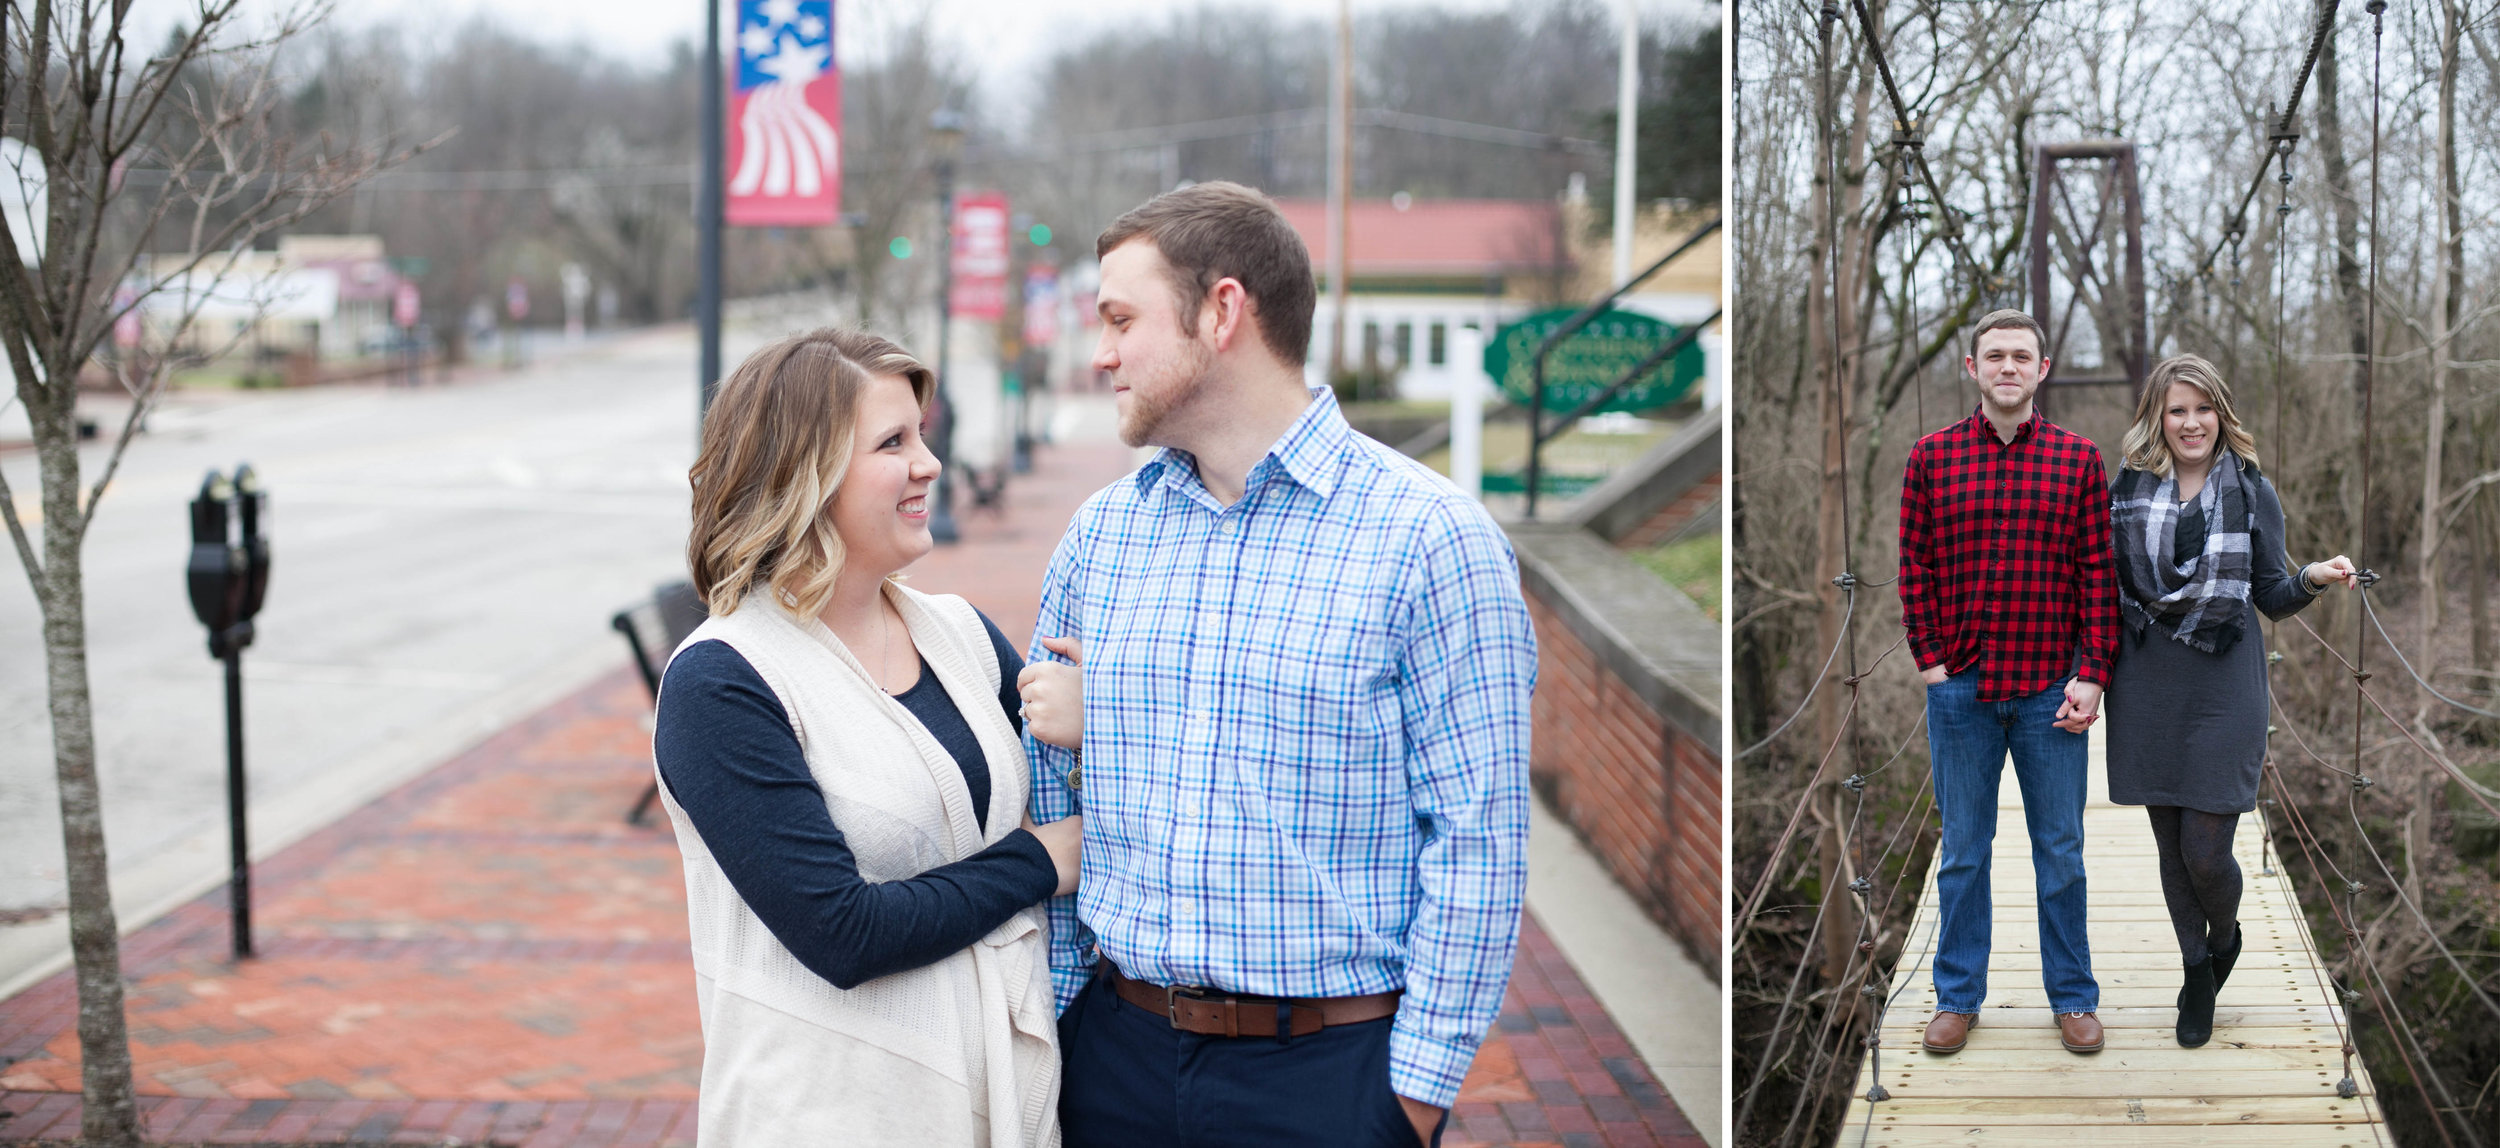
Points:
x=1002 y=38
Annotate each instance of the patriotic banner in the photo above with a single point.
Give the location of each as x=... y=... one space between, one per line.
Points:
x=1041 y=306
x=785 y=116
x=980 y=260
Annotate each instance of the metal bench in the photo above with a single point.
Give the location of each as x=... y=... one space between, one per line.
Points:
x=654 y=630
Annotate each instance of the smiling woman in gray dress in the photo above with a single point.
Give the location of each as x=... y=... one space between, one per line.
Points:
x=2198 y=536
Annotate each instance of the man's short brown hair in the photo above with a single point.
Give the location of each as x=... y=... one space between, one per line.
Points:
x=2004 y=319
x=1221 y=230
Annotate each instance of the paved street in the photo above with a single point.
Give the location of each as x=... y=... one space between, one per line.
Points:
x=444 y=560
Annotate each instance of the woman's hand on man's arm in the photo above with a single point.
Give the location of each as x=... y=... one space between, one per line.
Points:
x=1054 y=695
x=1064 y=840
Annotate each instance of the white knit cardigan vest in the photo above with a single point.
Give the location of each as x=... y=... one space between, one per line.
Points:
x=961 y=1052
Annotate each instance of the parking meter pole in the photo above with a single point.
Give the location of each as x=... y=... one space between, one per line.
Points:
x=228 y=577
x=238 y=835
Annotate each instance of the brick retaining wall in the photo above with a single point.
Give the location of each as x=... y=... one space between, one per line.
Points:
x=1627 y=725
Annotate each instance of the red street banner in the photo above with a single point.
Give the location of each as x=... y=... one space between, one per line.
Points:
x=980 y=261
x=785 y=112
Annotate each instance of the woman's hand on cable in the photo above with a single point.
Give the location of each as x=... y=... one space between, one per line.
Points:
x=1054 y=695
x=2330 y=572
x=1064 y=839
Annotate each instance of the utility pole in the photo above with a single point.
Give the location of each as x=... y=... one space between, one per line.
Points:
x=1340 y=183
x=708 y=208
x=1627 y=132
x=946 y=135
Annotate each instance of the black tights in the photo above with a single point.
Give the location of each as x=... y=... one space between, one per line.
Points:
x=2199 y=878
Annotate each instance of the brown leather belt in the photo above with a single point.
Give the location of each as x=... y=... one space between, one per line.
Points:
x=1209 y=1012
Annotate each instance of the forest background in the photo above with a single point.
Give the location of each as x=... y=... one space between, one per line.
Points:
x=564 y=154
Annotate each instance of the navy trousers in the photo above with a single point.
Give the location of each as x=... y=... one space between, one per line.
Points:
x=1134 y=1081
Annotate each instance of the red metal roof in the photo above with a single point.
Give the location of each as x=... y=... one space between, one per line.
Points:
x=1444 y=237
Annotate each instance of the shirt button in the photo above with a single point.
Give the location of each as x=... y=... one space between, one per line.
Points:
x=1184 y=908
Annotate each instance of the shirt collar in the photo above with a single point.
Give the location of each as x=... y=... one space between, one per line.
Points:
x=1308 y=452
x=1982 y=428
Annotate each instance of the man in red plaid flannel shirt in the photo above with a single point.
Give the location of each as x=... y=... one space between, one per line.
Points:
x=2010 y=599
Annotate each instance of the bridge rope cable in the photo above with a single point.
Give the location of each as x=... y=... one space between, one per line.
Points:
x=2472 y=789
x=1824 y=1056
x=2369 y=372
x=1951 y=229
x=2407 y=1046
x=2349 y=918
x=1854 y=976
x=1827 y=21
x=2291 y=109
x=2381 y=627
x=1753 y=901
x=2349 y=1087
x=2358 y=782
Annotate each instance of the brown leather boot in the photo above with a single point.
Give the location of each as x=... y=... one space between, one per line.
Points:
x=1948 y=1032
x=2079 y=1031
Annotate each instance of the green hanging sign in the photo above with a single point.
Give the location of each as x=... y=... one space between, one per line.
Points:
x=1591 y=359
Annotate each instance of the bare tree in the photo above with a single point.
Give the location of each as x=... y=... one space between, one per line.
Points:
x=190 y=142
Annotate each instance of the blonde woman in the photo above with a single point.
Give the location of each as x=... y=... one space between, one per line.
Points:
x=2199 y=540
x=840 y=757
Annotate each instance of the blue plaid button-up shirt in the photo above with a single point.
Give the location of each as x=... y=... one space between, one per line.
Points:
x=1306 y=738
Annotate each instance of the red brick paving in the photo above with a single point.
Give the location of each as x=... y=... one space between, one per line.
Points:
x=490 y=955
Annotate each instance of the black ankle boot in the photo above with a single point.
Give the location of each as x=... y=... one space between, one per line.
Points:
x=2225 y=958
x=2196 y=1005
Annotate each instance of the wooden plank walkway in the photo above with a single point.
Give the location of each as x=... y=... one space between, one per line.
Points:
x=2268 y=1076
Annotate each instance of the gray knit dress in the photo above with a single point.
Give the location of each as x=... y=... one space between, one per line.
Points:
x=2187 y=727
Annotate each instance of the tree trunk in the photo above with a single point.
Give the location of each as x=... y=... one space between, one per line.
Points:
x=2479 y=523
x=2348 y=289
x=111 y=1116
x=2447 y=293
x=1833 y=326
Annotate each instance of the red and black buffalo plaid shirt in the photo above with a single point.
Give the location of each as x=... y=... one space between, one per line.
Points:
x=2005 y=559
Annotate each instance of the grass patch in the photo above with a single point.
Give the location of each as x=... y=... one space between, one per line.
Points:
x=1690 y=565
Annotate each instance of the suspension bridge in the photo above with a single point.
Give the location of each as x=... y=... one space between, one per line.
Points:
x=2283 y=1066
x=2274 y=1073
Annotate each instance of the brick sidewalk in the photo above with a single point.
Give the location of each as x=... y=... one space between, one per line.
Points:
x=488 y=954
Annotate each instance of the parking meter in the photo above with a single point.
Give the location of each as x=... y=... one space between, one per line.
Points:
x=251 y=505
x=228 y=576
x=215 y=568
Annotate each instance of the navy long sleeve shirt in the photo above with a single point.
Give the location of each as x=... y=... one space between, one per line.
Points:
x=729 y=758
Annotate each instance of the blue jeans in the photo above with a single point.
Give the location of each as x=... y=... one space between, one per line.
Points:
x=1968 y=741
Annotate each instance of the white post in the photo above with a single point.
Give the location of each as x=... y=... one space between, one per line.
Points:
x=1467 y=410
x=1627 y=129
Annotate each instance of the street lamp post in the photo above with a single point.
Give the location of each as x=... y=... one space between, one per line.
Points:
x=708 y=210
x=946 y=137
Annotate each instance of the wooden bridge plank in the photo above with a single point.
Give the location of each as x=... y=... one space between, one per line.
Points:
x=2269 y=1075
x=2195 y=1110
x=2358 y=1134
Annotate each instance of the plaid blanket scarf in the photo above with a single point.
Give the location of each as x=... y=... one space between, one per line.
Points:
x=2197 y=595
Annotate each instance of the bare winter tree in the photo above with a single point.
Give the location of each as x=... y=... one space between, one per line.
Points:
x=192 y=144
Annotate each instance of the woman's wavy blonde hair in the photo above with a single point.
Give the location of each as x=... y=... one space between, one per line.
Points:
x=2146 y=448
x=776 y=444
